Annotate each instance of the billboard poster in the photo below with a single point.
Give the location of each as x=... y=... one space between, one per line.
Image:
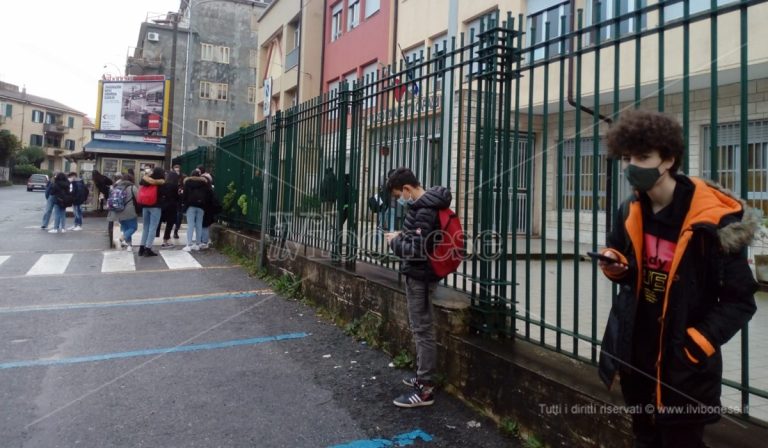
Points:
x=133 y=106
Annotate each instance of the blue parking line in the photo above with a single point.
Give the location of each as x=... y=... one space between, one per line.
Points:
x=406 y=439
x=137 y=302
x=150 y=352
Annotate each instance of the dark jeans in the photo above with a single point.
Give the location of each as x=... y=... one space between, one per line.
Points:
x=169 y=217
x=638 y=390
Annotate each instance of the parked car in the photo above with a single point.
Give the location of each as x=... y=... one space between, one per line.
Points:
x=37 y=182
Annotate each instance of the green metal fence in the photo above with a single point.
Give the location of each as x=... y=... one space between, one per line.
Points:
x=511 y=118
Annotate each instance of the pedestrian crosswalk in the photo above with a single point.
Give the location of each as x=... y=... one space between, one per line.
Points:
x=111 y=261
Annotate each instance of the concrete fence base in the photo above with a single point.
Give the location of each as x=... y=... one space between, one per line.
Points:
x=557 y=398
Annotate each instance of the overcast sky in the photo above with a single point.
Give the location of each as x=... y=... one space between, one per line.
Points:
x=58 y=49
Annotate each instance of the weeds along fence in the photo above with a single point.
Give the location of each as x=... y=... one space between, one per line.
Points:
x=511 y=117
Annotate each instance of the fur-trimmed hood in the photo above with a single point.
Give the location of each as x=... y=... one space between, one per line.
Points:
x=736 y=230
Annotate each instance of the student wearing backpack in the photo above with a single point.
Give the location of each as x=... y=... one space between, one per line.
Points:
x=414 y=245
x=79 y=195
x=63 y=199
x=151 y=211
x=122 y=208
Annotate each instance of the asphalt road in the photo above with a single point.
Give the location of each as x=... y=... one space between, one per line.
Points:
x=101 y=349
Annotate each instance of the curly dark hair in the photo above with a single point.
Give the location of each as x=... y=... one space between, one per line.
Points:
x=641 y=131
x=401 y=177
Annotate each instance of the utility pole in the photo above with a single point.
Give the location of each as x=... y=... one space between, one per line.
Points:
x=174 y=21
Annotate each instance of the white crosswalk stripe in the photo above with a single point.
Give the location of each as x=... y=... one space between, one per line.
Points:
x=178 y=259
x=51 y=264
x=118 y=261
x=112 y=261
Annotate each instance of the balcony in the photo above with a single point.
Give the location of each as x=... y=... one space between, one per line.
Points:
x=55 y=128
x=145 y=63
x=292 y=59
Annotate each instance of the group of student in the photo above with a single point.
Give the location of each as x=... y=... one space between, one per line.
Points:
x=163 y=197
x=677 y=250
x=62 y=192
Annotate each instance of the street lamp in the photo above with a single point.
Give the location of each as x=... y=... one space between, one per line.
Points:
x=173 y=20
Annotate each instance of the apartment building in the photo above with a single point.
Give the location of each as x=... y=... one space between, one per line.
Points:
x=38 y=121
x=216 y=66
x=290 y=55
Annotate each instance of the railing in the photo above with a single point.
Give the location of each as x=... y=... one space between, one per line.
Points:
x=55 y=128
x=516 y=132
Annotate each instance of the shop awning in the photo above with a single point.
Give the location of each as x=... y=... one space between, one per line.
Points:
x=125 y=148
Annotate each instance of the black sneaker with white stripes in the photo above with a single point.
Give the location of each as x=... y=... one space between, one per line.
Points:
x=421 y=395
x=410 y=381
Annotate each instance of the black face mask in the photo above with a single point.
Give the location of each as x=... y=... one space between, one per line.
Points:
x=642 y=179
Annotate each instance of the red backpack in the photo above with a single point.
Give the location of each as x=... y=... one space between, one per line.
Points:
x=448 y=251
x=147 y=195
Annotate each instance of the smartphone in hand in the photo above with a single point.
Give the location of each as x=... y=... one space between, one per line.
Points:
x=603 y=258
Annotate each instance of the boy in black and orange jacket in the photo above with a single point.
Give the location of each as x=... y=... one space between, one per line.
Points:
x=685 y=285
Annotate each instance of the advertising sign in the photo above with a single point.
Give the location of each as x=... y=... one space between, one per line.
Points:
x=133 y=105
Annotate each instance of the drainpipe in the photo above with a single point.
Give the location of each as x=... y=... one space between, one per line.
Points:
x=394 y=37
x=609 y=162
x=322 y=49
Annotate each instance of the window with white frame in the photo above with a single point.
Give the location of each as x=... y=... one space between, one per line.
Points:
x=206 y=52
x=353 y=14
x=221 y=129
x=607 y=11
x=252 y=94
x=333 y=92
x=474 y=29
x=676 y=11
x=37 y=116
x=440 y=45
x=205 y=90
x=371 y=6
x=729 y=164
x=222 y=55
x=214 y=91
x=296 y=35
x=222 y=92
x=351 y=78
x=202 y=128
x=579 y=185
x=214 y=53
x=557 y=16
x=370 y=76
x=336 y=21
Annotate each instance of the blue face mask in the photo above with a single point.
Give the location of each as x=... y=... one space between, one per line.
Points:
x=403 y=202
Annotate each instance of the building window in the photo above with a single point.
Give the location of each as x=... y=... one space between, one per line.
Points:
x=221 y=129
x=253 y=59
x=728 y=153
x=371 y=6
x=35 y=139
x=222 y=91
x=474 y=28
x=37 y=116
x=69 y=144
x=438 y=56
x=8 y=110
x=579 y=185
x=51 y=118
x=205 y=89
x=607 y=12
x=336 y=21
x=370 y=76
x=297 y=35
x=214 y=53
x=53 y=140
x=557 y=27
x=333 y=92
x=223 y=55
x=252 y=93
x=70 y=122
x=353 y=14
x=676 y=11
x=202 y=128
